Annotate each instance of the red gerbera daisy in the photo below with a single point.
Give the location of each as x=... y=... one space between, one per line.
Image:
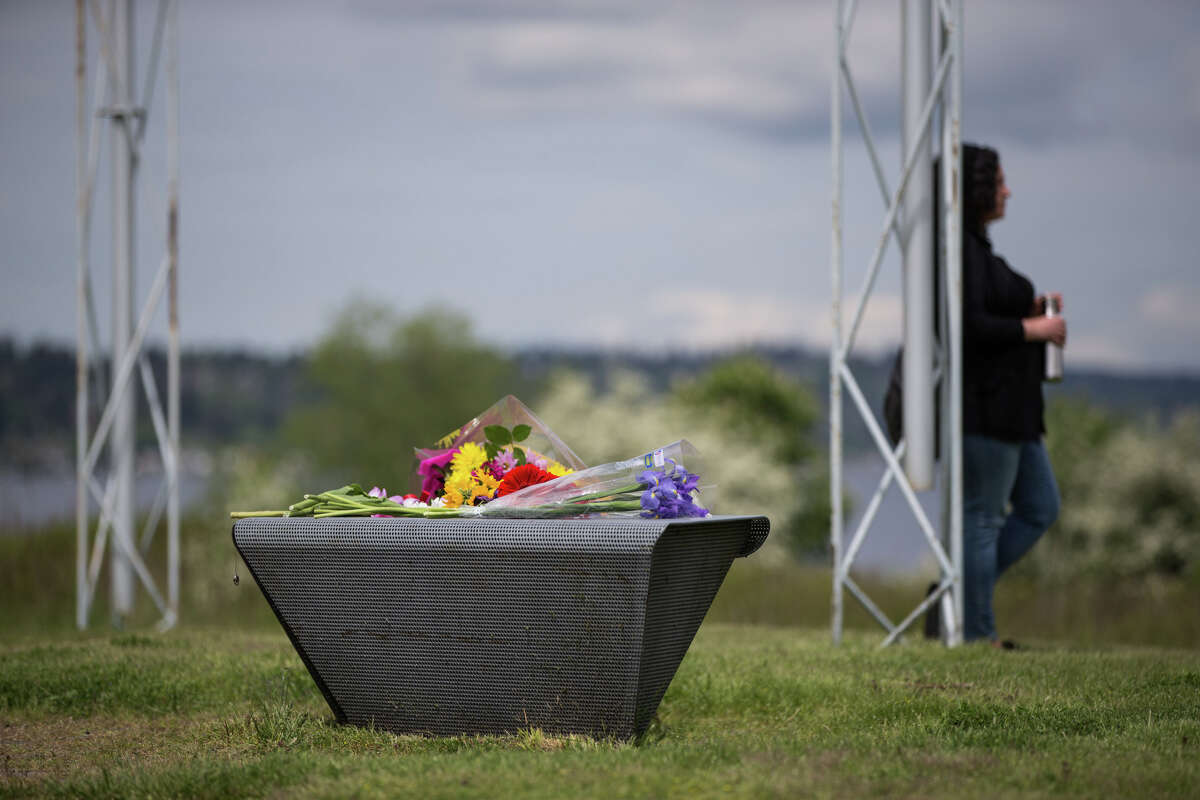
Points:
x=520 y=477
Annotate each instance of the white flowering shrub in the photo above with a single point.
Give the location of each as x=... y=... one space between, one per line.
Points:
x=755 y=456
x=1130 y=495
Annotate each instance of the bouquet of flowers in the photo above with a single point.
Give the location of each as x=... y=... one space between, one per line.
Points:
x=469 y=466
x=507 y=463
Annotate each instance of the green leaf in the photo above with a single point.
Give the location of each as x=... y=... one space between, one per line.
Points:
x=520 y=454
x=521 y=432
x=498 y=434
x=491 y=449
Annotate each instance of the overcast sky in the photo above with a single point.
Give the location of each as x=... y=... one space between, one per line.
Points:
x=604 y=172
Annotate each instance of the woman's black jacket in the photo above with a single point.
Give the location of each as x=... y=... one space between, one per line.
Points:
x=1002 y=373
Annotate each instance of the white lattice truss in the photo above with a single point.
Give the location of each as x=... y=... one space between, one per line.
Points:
x=113 y=108
x=944 y=95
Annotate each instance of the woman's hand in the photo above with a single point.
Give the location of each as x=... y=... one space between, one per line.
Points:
x=1045 y=329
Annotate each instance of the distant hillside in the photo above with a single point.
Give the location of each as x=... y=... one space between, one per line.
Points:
x=1158 y=397
x=238 y=396
x=225 y=396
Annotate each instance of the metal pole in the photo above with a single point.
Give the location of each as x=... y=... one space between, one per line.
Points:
x=173 y=474
x=81 y=343
x=835 y=352
x=121 y=445
x=917 y=228
x=951 y=318
x=953 y=191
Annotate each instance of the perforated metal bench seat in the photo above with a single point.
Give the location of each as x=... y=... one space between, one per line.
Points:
x=457 y=626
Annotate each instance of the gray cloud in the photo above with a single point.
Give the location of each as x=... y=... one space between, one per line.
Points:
x=486 y=11
x=663 y=166
x=1033 y=72
x=1044 y=72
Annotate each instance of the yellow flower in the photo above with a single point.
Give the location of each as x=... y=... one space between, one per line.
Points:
x=481 y=484
x=553 y=467
x=458 y=486
x=486 y=481
x=558 y=470
x=468 y=457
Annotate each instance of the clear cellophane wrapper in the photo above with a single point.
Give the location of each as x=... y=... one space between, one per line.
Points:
x=603 y=489
x=541 y=446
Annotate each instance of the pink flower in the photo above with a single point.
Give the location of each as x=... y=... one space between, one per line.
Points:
x=433 y=470
x=502 y=463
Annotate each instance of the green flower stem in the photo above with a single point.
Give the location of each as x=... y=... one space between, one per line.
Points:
x=388 y=510
x=350 y=502
x=302 y=506
x=429 y=513
x=565 y=509
x=633 y=487
x=610 y=505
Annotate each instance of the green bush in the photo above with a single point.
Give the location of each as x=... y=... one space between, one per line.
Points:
x=388 y=384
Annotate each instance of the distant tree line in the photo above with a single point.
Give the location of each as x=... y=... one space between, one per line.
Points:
x=378 y=384
x=225 y=396
x=241 y=396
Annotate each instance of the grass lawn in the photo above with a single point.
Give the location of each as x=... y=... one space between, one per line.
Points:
x=754 y=711
x=762 y=705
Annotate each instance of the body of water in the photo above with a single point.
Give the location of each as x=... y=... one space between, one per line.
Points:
x=33 y=500
x=894 y=543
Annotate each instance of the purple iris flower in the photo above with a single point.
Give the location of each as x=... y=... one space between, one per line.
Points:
x=668 y=493
x=649 y=477
x=687 y=482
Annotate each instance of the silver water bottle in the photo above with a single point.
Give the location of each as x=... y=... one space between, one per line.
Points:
x=1054 y=353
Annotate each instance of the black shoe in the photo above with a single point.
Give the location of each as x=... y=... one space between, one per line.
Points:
x=933 y=616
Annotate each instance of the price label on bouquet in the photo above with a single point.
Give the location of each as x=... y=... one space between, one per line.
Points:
x=655 y=459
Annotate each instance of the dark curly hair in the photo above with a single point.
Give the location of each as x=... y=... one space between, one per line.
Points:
x=980 y=168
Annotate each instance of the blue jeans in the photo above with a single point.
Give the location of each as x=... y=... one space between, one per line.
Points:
x=996 y=473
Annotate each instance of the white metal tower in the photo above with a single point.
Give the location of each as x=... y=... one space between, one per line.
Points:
x=116 y=109
x=931 y=33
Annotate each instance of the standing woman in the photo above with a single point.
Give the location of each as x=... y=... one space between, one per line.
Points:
x=1010 y=496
